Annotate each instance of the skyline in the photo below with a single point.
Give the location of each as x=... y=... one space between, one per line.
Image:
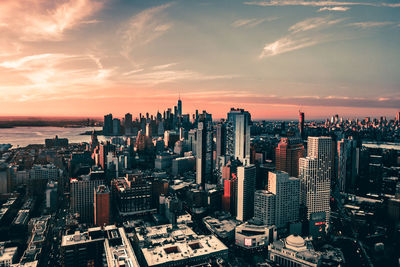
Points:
x=272 y=58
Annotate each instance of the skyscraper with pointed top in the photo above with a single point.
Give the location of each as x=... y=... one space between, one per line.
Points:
x=179 y=107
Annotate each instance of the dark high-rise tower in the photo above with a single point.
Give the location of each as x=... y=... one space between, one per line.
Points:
x=220 y=139
x=179 y=107
x=204 y=149
x=301 y=124
x=108 y=124
x=128 y=124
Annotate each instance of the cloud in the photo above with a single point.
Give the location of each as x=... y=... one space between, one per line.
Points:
x=143 y=28
x=286 y=44
x=371 y=24
x=335 y=8
x=37 y=76
x=132 y=72
x=250 y=23
x=303 y=34
x=247 y=22
x=313 y=23
x=317 y=3
x=391 y=5
x=164 y=66
x=46 y=20
x=162 y=76
x=311 y=101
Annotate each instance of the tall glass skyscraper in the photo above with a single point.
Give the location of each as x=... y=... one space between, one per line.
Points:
x=238 y=134
x=315 y=172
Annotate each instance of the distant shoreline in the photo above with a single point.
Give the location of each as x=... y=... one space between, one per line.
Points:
x=10 y=125
x=90 y=132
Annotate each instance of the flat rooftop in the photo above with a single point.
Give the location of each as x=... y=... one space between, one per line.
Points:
x=166 y=244
x=118 y=250
x=92 y=234
x=220 y=227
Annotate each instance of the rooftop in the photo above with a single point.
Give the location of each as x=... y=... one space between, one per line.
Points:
x=118 y=249
x=162 y=244
x=7 y=253
x=297 y=247
x=92 y=234
x=222 y=228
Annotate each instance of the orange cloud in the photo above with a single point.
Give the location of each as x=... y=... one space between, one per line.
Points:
x=46 y=20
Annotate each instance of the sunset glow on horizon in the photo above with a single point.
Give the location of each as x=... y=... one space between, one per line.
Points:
x=272 y=58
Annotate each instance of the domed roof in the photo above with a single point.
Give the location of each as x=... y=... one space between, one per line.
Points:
x=295 y=241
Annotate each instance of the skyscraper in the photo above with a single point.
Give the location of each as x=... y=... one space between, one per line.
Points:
x=116 y=126
x=315 y=172
x=148 y=130
x=246 y=184
x=264 y=207
x=220 y=139
x=230 y=195
x=204 y=150
x=341 y=164
x=108 y=124
x=82 y=197
x=279 y=205
x=179 y=107
x=287 y=155
x=128 y=124
x=287 y=197
x=352 y=164
x=131 y=196
x=301 y=124
x=101 y=205
x=238 y=136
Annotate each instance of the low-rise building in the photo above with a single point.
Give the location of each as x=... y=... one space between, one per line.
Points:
x=183 y=164
x=168 y=245
x=223 y=229
x=108 y=246
x=38 y=227
x=254 y=237
x=294 y=251
x=118 y=249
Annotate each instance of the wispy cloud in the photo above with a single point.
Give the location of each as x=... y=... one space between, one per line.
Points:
x=301 y=35
x=391 y=5
x=287 y=44
x=313 y=23
x=43 y=74
x=164 y=66
x=372 y=24
x=143 y=28
x=249 y=23
x=170 y=76
x=311 y=101
x=46 y=20
x=335 y=8
x=128 y=73
x=317 y=3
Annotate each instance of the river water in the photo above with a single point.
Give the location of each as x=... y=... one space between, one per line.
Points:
x=23 y=136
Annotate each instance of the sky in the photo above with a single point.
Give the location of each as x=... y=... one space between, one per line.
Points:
x=272 y=58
